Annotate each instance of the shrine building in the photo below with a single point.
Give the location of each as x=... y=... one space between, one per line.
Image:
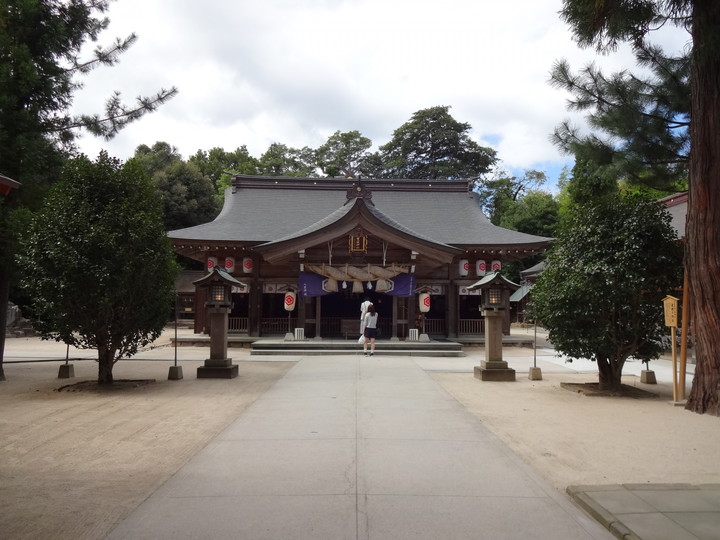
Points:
x=336 y=242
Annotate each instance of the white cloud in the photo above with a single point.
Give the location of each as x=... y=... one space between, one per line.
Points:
x=295 y=71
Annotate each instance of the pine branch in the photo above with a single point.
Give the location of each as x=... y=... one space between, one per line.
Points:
x=104 y=56
x=118 y=115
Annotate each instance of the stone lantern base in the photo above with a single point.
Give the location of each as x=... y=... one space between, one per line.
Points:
x=218 y=369
x=496 y=370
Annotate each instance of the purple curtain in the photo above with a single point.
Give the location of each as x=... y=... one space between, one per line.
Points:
x=403 y=285
x=312 y=284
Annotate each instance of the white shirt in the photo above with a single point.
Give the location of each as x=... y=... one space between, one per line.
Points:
x=371 y=320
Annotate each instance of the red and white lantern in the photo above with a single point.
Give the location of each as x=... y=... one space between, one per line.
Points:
x=247 y=265
x=496 y=266
x=290 y=301
x=424 y=301
x=229 y=264
x=480 y=268
x=211 y=263
x=464 y=267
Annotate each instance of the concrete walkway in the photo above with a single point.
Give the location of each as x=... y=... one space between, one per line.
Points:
x=352 y=447
x=654 y=511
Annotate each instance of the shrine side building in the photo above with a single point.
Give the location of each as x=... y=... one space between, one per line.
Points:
x=336 y=242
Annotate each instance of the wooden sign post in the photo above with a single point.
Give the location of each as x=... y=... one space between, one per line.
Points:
x=670 y=304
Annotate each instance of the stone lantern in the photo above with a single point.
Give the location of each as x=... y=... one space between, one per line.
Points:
x=218 y=284
x=496 y=300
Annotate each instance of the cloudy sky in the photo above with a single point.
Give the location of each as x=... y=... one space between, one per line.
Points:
x=254 y=72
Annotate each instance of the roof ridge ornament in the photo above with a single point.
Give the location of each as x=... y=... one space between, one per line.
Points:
x=358 y=190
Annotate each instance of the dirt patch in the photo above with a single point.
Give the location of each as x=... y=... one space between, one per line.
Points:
x=75 y=462
x=116 y=386
x=592 y=389
x=573 y=440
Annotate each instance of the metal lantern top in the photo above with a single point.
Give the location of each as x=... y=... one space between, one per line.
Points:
x=219 y=284
x=494 y=286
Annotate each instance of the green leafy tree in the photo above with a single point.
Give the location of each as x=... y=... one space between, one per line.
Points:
x=373 y=166
x=343 y=154
x=536 y=213
x=584 y=183
x=605 y=24
x=158 y=157
x=281 y=160
x=217 y=164
x=600 y=293
x=501 y=191
x=433 y=145
x=188 y=196
x=40 y=67
x=99 y=268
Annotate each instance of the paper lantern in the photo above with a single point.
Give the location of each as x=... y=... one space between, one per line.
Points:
x=464 y=267
x=480 y=268
x=424 y=301
x=496 y=266
x=247 y=265
x=289 y=301
x=229 y=264
x=211 y=263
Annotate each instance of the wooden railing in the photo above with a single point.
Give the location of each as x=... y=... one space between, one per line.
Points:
x=471 y=326
x=435 y=326
x=350 y=328
x=276 y=325
x=333 y=326
x=237 y=325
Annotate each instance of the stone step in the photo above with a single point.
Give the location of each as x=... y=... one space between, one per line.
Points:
x=358 y=352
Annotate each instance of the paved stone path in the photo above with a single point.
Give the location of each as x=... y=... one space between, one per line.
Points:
x=357 y=448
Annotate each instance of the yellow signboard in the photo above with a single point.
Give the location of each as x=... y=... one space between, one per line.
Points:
x=670 y=303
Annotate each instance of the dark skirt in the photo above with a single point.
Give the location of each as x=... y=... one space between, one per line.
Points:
x=371 y=333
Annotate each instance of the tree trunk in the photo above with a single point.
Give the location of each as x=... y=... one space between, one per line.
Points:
x=610 y=374
x=106 y=361
x=702 y=256
x=4 y=299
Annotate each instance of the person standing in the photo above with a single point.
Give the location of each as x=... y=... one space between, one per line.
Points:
x=363 y=311
x=370 y=329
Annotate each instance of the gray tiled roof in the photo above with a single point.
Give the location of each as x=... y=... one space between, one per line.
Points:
x=343 y=210
x=264 y=214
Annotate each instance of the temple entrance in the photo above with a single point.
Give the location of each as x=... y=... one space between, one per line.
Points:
x=341 y=313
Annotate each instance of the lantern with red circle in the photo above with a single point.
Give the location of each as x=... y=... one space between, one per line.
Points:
x=290 y=301
x=424 y=301
x=480 y=267
x=247 y=265
x=212 y=262
x=229 y=264
x=464 y=267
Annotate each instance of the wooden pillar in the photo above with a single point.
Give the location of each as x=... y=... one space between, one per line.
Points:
x=451 y=310
x=255 y=308
x=412 y=311
x=301 y=314
x=506 y=318
x=393 y=330
x=200 y=323
x=318 y=316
